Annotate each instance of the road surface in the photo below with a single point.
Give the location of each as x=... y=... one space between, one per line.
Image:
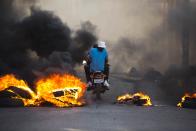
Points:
x=103 y=115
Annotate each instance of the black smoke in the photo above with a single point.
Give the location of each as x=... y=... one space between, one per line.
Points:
x=82 y=40
x=39 y=43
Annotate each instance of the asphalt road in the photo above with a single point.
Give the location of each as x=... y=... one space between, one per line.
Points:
x=103 y=115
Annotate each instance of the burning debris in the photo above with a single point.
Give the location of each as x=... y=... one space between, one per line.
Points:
x=46 y=89
x=188 y=101
x=139 y=99
x=72 y=87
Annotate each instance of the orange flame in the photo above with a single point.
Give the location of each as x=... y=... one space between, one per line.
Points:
x=184 y=98
x=131 y=96
x=72 y=87
x=10 y=80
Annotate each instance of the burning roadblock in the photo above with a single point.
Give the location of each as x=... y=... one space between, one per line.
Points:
x=139 y=99
x=64 y=90
x=16 y=92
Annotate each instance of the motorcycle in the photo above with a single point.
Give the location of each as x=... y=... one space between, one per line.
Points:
x=98 y=79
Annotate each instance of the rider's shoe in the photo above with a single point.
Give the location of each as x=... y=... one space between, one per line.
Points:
x=106 y=84
x=89 y=86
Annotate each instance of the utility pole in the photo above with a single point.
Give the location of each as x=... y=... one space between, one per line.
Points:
x=171 y=40
x=185 y=4
x=184 y=20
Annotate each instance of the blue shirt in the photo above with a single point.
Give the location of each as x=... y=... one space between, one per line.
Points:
x=97 y=59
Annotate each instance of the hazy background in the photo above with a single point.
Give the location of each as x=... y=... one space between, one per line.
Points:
x=139 y=33
x=114 y=18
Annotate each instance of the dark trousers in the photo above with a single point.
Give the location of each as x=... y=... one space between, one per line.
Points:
x=87 y=71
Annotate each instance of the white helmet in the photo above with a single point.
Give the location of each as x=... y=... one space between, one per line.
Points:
x=101 y=44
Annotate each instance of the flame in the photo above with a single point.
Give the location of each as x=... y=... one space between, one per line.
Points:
x=125 y=97
x=187 y=95
x=10 y=80
x=141 y=95
x=72 y=87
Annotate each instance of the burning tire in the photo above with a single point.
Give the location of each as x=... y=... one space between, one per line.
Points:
x=188 y=101
x=10 y=102
x=139 y=99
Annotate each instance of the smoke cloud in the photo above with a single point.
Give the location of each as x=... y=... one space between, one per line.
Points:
x=39 y=43
x=162 y=46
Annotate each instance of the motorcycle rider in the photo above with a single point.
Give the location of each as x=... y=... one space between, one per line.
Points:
x=97 y=60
